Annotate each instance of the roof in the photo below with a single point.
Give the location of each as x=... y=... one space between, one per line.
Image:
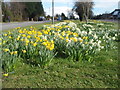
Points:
x=116 y=12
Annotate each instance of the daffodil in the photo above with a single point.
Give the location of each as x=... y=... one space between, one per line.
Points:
x=24 y=35
x=9 y=32
x=18 y=38
x=11 y=53
x=75 y=34
x=6 y=74
x=9 y=37
x=24 y=51
x=83 y=37
x=67 y=40
x=6 y=50
x=15 y=52
x=86 y=37
x=5 y=34
x=75 y=39
x=86 y=42
x=4 y=42
x=27 y=41
x=28 y=36
x=81 y=40
x=34 y=44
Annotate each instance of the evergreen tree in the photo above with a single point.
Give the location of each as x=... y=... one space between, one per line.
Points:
x=19 y=11
x=34 y=9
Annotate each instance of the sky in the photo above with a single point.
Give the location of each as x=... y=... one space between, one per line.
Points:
x=63 y=6
x=100 y=7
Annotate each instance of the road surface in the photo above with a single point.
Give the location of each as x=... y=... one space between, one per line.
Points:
x=116 y=21
x=12 y=25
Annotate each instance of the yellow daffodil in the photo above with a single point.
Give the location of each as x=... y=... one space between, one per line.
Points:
x=86 y=42
x=81 y=40
x=83 y=37
x=9 y=37
x=15 y=52
x=6 y=74
x=61 y=37
x=6 y=50
x=24 y=35
x=5 y=34
x=27 y=41
x=52 y=41
x=26 y=44
x=28 y=36
x=41 y=40
x=30 y=32
x=22 y=39
x=67 y=40
x=86 y=37
x=9 y=32
x=20 y=31
x=75 y=39
x=18 y=38
x=11 y=53
x=75 y=34
x=4 y=42
x=34 y=44
x=18 y=28
x=44 y=43
x=24 y=51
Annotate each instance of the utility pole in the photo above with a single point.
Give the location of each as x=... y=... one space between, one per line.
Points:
x=0 y=11
x=52 y=11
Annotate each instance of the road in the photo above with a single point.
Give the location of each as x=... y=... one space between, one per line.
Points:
x=12 y=25
x=109 y=20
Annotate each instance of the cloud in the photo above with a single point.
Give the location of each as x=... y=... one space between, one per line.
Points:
x=58 y=10
x=102 y=7
x=58 y=1
x=105 y=4
x=106 y=0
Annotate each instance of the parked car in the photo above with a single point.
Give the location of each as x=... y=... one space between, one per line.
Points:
x=41 y=18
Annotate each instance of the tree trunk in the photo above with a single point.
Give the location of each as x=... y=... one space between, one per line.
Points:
x=80 y=17
x=86 y=18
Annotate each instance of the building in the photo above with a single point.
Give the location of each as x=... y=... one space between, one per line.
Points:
x=113 y=15
x=116 y=14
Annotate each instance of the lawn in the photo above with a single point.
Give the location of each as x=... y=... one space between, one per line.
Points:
x=63 y=72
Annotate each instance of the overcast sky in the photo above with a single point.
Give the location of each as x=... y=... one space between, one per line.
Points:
x=63 y=6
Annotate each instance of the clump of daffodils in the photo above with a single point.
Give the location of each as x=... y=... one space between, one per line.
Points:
x=64 y=37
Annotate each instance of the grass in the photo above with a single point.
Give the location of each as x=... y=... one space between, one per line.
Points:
x=102 y=73
x=64 y=73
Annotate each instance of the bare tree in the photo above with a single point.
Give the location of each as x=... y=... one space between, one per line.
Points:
x=17 y=9
x=83 y=8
